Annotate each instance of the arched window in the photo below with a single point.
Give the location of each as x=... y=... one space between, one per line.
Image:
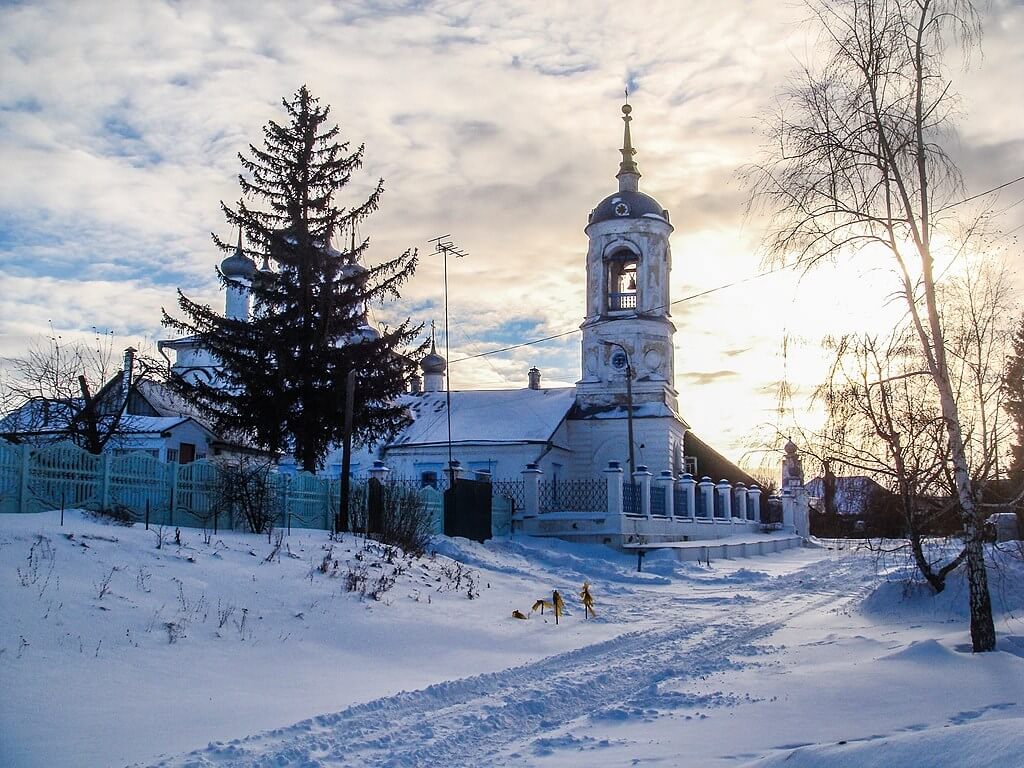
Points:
x=622 y=281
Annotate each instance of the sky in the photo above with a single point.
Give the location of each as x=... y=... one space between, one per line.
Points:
x=495 y=123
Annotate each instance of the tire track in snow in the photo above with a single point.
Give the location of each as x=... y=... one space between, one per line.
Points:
x=471 y=720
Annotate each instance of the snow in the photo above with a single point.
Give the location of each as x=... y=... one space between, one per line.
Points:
x=486 y=416
x=809 y=657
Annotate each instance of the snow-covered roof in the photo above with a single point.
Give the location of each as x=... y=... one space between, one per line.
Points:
x=145 y=425
x=486 y=416
x=164 y=400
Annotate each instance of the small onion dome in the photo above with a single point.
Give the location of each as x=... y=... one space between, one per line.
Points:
x=790 y=448
x=627 y=204
x=369 y=333
x=266 y=270
x=433 y=363
x=238 y=265
x=352 y=270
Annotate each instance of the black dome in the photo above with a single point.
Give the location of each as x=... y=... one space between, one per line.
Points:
x=627 y=205
x=238 y=265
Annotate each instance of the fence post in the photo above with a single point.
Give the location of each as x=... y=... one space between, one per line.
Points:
x=105 y=483
x=665 y=483
x=724 y=491
x=754 y=503
x=690 y=491
x=707 y=492
x=26 y=466
x=173 y=469
x=739 y=492
x=643 y=478
x=613 y=475
x=325 y=486
x=285 y=496
x=531 y=490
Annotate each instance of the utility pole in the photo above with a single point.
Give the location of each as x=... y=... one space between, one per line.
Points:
x=341 y=519
x=443 y=247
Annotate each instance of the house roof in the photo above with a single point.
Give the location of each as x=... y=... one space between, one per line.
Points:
x=146 y=425
x=711 y=463
x=852 y=495
x=511 y=416
x=164 y=400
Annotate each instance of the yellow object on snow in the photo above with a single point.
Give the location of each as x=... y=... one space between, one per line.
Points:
x=588 y=601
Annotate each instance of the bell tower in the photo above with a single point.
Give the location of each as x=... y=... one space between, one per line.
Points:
x=628 y=323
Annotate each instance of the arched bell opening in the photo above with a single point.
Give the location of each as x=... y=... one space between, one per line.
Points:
x=622 y=282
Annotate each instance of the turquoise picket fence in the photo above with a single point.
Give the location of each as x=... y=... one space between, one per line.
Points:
x=62 y=475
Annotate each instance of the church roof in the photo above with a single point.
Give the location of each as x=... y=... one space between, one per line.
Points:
x=627 y=204
x=508 y=416
x=711 y=463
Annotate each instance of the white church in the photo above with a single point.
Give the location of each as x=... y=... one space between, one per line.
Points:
x=574 y=432
x=617 y=436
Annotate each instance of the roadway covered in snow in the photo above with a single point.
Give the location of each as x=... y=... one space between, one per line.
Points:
x=809 y=657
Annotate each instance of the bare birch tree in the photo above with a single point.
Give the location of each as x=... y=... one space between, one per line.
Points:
x=885 y=419
x=857 y=162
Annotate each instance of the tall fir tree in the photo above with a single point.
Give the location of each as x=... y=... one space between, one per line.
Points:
x=1013 y=384
x=283 y=369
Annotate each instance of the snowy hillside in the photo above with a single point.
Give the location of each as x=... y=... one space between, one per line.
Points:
x=234 y=651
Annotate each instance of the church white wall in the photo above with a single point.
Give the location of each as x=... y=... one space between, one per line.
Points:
x=505 y=462
x=595 y=442
x=236 y=301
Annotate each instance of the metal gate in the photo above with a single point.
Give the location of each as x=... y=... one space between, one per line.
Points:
x=467 y=510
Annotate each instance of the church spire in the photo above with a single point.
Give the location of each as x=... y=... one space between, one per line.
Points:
x=629 y=174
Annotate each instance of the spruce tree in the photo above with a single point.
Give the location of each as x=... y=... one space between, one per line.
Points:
x=283 y=370
x=1013 y=383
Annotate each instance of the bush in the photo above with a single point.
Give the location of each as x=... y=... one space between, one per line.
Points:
x=248 y=488
x=117 y=514
x=405 y=522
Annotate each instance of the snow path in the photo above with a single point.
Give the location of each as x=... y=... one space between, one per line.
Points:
x=478 y=720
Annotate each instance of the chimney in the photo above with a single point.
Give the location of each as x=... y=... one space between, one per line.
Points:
x=415 y=383
x=127 y=372
x=534 y=377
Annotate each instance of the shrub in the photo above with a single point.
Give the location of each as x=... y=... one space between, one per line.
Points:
x=405 y=522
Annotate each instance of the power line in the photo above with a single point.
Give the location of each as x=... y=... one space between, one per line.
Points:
x=980 y=194
x=562 y=334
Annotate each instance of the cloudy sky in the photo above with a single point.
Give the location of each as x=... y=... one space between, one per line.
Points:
x=495 y=122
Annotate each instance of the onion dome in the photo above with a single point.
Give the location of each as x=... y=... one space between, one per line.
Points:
x=238 y=266
x=433 y=363
x=266 y=270
x=368 y=333
x=628 y=205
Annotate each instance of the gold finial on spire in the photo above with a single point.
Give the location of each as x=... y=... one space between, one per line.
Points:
x=629 y=174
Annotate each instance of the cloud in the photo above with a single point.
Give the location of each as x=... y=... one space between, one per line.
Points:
x=496 y=123
x=701 y=378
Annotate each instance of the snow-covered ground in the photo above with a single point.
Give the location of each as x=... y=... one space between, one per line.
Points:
x=211 y=653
